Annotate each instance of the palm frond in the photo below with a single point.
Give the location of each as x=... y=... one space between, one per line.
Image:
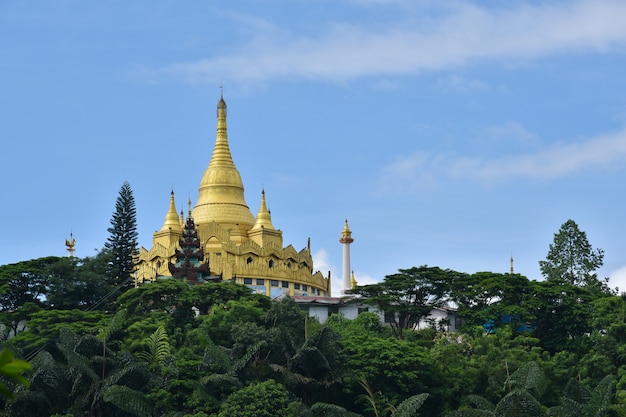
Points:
x=293 y=378
x=27 y=403
x=250 y=352
x=134 y=375
x=518 y=403
x=529 y=377
x=215 y=358
x=480 y=403
x=114 y=326
x=128 y=400
x=470 y=412
x=158 y=348
x=77 y=363
x=601 y=398
x=409 y=407
x=576 y=391
x=331 y=410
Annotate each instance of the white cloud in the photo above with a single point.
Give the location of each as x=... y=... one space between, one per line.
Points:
x=364 y=279
x=511 y=131
x=422 y=170
x=605 y=151
x=322 y=263
x=428 y=37
x=459 y=84
x=617 y=278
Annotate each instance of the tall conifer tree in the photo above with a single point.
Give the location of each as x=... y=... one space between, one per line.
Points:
x=121 y=245
x=571 y=258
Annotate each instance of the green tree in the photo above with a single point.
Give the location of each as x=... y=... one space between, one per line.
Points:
x=259 y=399
x=314 y=366
x=121 y=245
x=23 y=289
x=44 y=327
x=572 y=260
x=564 y=315
x=82 y=376
x=73 y=284
x=492 y=298
x=524 y=386
x=580 y=401
x=408 y=296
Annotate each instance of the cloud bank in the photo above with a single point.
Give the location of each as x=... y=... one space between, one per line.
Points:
x=423 y=170
x=427 y=36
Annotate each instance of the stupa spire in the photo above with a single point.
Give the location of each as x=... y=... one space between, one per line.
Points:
x=221 y=193
x=263 y=218
x=172 y=221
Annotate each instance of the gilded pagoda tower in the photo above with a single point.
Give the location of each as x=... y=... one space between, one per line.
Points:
x=236 y=244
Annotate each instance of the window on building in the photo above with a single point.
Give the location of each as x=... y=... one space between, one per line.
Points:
x=289 y=265
x=389 y=316
x=333 y=310
x=304 y=287
x=249 y=260
x=260 y=281
x=271 y=263
x=363 y=310
x=274 y=283
x=247 y=281
x=285 y=284
x=296 y=286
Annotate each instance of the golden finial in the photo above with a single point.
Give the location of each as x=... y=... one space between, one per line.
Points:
x=346 y=234
x=512 y=264
x=263 y=217
x=353 y=283
x=172 y=221
x=69 y=244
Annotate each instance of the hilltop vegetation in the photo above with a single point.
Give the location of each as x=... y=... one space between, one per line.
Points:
x=554 y=347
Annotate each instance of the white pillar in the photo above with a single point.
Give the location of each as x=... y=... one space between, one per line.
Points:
x=346 y=240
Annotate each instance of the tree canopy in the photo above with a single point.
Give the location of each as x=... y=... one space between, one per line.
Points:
x=521 y=347
x=409 y=295
x=571 y=259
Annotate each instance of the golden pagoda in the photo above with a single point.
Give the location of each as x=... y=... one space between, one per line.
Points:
x=236 y=245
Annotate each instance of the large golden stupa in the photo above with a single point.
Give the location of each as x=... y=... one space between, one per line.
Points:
x=234 y=243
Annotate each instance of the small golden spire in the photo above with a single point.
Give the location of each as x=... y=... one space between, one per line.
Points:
x=172 y=221
x=69 y=245
x=263 y=218
x=346 y=234
x=353 y=283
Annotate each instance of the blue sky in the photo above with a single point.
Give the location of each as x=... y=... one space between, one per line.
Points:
x=453 y=134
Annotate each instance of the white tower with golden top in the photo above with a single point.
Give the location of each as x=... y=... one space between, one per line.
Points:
x=346 y=240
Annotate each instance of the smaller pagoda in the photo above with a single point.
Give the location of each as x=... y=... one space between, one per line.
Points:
x=189 y=264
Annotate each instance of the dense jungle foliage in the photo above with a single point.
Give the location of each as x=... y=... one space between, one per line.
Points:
x=555 y=347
